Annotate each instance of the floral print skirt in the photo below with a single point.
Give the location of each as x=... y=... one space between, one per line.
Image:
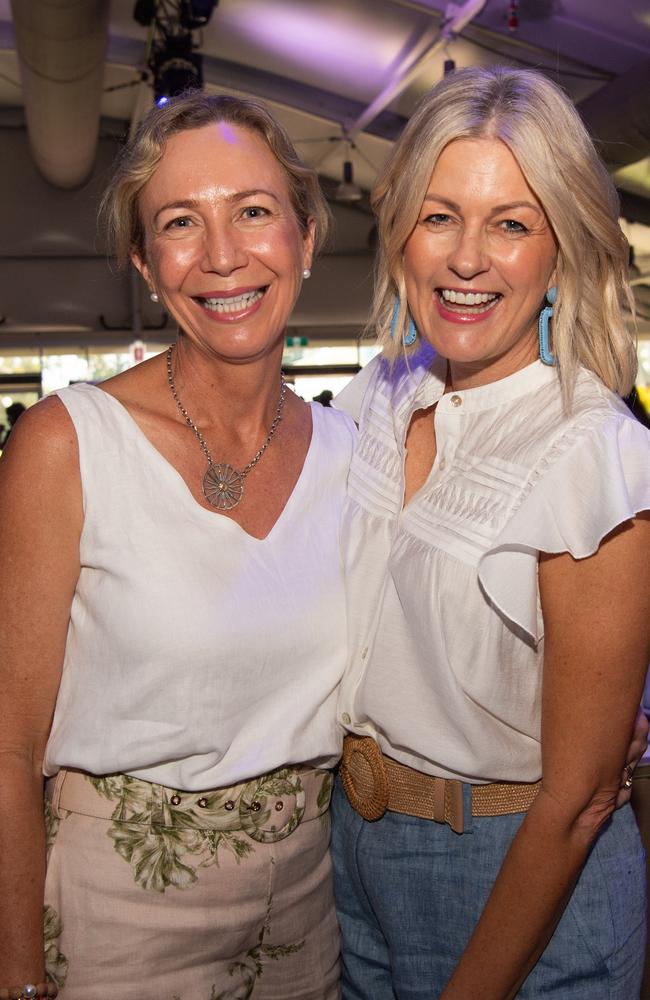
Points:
x=158 y=894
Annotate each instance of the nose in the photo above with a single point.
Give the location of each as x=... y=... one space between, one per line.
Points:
x=469 y=254
x=224 y=250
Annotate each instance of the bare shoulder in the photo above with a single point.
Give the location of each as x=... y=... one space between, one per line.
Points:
x=44 y=431
x=141 y=387
x=39 y=468
x=296 y=407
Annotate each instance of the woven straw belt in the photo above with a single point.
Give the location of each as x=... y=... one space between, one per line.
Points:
x=374 y=783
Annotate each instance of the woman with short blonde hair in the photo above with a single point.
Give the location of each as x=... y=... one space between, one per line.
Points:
x=173 y=614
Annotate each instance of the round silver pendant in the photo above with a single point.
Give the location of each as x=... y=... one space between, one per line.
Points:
x=223 y=486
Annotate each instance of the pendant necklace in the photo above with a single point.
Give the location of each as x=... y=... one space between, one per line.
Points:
x=223 y=485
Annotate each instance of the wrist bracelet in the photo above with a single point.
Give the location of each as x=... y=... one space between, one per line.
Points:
x=30 y=991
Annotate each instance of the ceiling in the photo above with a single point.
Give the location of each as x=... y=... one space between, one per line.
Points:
x=342 y=75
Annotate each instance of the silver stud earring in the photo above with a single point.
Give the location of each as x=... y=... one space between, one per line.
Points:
x=306 y=273
x=154 y=297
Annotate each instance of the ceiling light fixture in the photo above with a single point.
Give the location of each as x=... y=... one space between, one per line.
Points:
x=192 y=14
x=176 y=67
x=195 y=14
x=173 y=58
x=347 y=191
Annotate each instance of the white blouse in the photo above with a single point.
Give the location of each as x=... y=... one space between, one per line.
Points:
x=198 y=656
x=446 y=630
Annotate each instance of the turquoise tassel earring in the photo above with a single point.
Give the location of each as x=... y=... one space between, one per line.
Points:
x=545 y=354
x=411 y=334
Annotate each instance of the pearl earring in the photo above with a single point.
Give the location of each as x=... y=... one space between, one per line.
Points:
x=154 y=297
x=306 y=273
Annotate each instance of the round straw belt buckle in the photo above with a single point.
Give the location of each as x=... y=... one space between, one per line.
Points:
x=364 y=777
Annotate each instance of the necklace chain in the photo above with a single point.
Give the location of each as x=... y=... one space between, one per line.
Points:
x=223 y=485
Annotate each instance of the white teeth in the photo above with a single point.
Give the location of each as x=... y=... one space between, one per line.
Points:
x=230 y=304
x=468 y=298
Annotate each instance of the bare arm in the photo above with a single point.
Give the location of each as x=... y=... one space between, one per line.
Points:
x=40 y=524
x=597 y=644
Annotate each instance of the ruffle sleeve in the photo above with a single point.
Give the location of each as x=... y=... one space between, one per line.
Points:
x=571 y=502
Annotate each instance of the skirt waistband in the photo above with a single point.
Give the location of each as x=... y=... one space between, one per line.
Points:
x=267 y=808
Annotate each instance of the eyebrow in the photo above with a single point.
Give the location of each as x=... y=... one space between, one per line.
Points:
x=236 y=196
x=431 y=196
x=239 y=195
x=517 y=204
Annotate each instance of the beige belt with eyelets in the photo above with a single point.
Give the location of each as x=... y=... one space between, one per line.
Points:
x=375 y=783
x=267 y=808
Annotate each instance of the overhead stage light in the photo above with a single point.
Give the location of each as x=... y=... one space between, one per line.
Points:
x=347 y=191
x=195 y=14
x=174 y=61
x=176 y=67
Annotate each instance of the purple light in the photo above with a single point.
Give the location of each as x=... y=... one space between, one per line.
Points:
x=326 y=50
x=227 y=133
x=161 y=102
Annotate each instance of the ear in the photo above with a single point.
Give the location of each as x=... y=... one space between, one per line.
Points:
x=308 y=241
x=142 y=267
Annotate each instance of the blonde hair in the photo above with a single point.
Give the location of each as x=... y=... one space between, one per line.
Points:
x=545 y=134
x=192 y=110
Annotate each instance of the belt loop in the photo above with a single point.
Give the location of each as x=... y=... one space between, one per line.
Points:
x=454 y=812
x=156 y=811
x=439 y=795
x=53 y=792
x=468 y=816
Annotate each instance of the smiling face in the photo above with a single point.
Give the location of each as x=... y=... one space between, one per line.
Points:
x=479 y=262
x=223 y=248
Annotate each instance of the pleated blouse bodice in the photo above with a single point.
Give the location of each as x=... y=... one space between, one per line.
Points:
x=446 y=628
x=197 y=655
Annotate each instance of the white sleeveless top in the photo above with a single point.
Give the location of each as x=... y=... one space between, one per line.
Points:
x=198 y=656
x=446 y=627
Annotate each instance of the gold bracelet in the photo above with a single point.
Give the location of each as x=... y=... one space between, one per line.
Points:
x=30 y=991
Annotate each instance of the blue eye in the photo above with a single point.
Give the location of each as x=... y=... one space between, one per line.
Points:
x=512 y=226
x=181 y=223
x=255 y=212
x=437 y=218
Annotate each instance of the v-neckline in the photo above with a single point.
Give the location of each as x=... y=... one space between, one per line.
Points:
x=174 y=474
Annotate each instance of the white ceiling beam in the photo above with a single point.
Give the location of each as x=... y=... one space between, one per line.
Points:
x=457 y=16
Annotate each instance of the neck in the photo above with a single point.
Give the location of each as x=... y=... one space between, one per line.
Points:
x=470 y=375
x=240 y=397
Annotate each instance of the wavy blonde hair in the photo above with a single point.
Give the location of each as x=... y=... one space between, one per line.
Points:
x=544 y=132
x=192 y=110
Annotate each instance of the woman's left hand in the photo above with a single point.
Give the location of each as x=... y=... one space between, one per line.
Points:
x=635 y=751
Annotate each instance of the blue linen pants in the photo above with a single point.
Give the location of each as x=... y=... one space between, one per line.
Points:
x=410 y=891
